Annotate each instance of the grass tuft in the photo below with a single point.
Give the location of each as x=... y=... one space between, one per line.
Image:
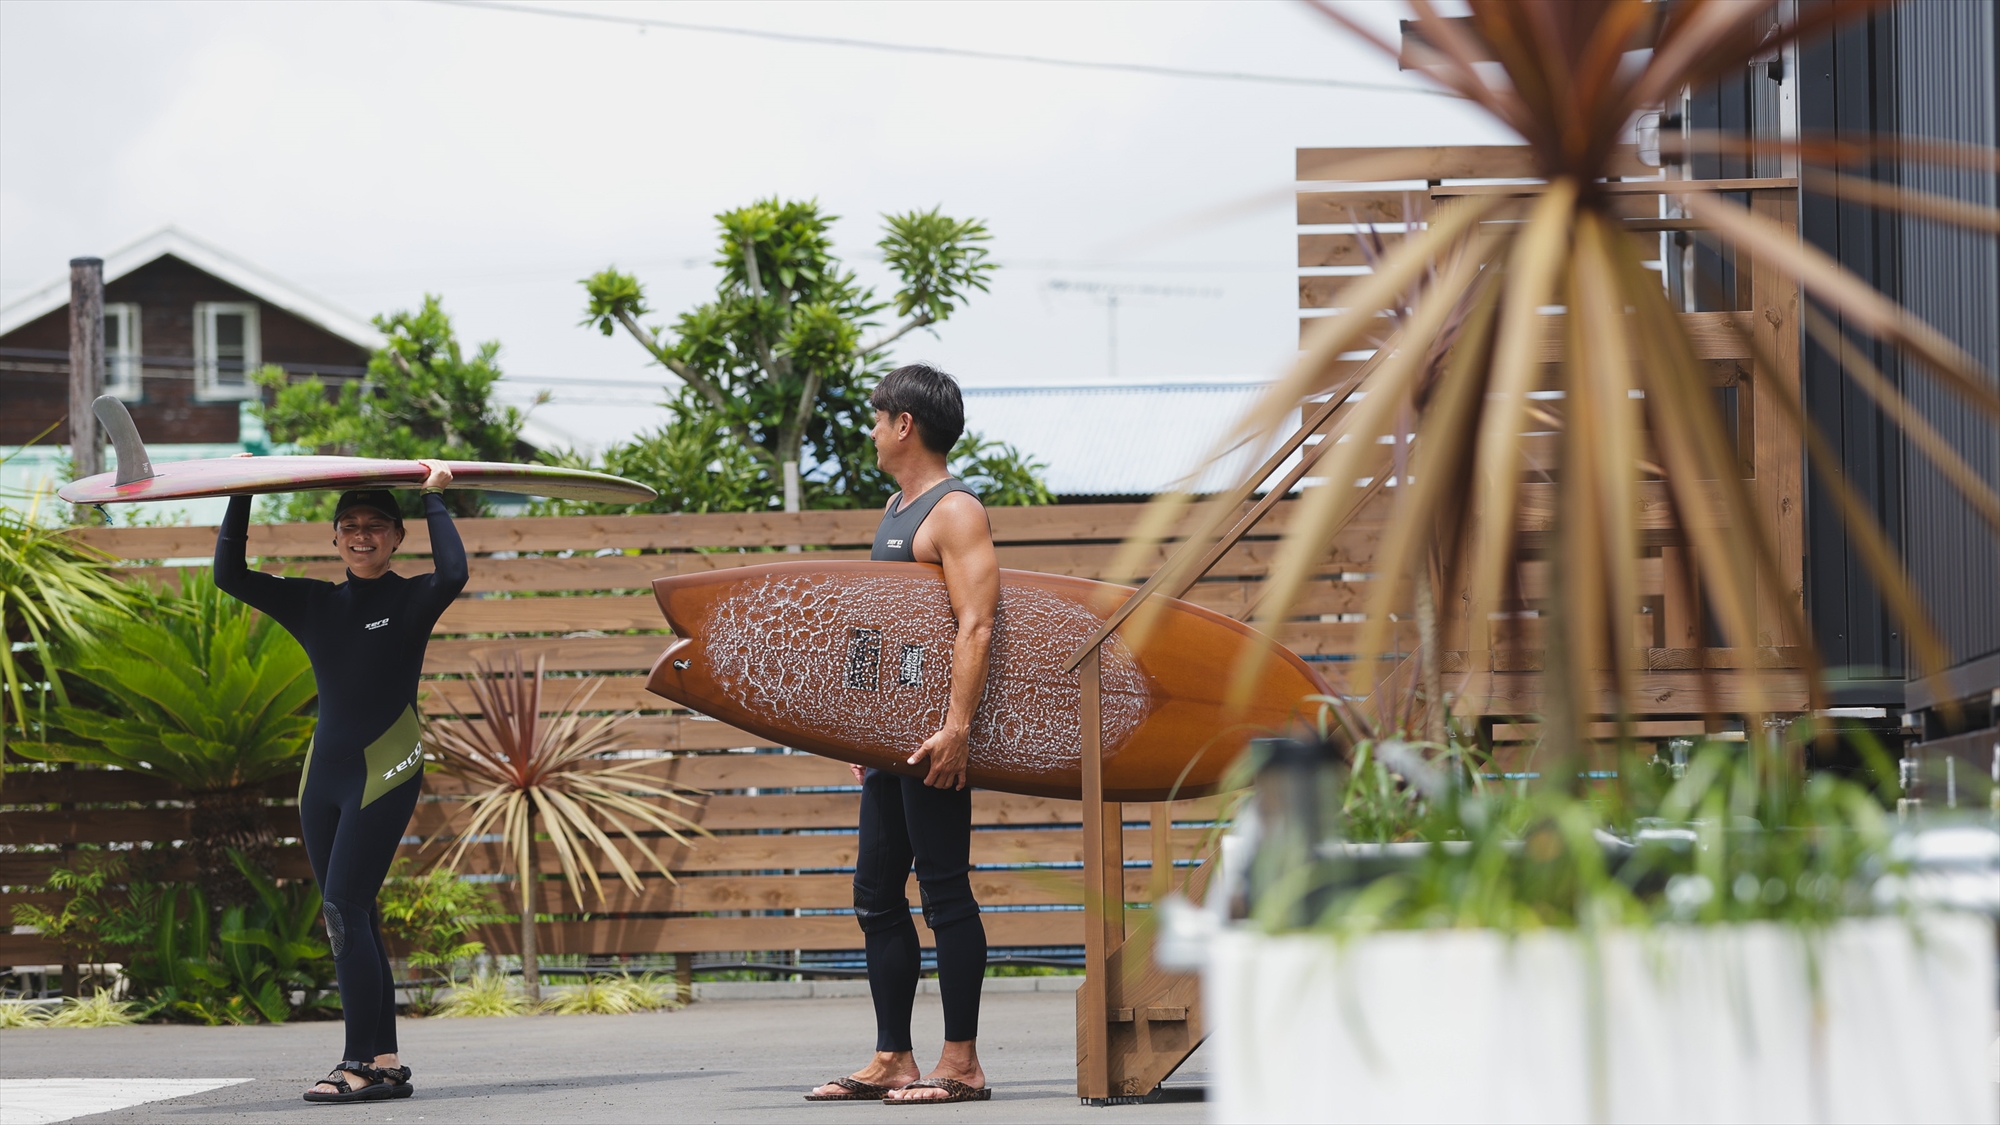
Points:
x=613 y=996
x=21 y=1013
x=483 y=995
x=98 y=1011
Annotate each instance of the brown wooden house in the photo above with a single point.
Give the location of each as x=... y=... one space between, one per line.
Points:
x=185 y=322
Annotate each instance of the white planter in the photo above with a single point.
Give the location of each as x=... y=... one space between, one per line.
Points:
x=1720 y=1023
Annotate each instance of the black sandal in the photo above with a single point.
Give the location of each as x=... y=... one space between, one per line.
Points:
x=397 y=1078
x=383 y=1083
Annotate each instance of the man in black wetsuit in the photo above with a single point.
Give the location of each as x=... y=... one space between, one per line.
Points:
x=926 y=821
x=366 y=637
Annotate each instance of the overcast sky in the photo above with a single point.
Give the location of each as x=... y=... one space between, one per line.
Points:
x=372 y=152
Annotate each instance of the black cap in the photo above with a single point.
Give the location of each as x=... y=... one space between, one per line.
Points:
x=380 y=499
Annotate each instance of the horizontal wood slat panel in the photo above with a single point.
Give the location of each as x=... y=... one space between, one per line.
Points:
x=825 y=931
x=1384 y=206
x=1716 y=336
x=620 y=612
x=31 y=869
x=1033 y=887
x=1446 y=162
x=1449 y=162
x=106 y=826
x=1320 y=250
x=1656 y=693
x=562 y=654
x=619 y=693
x=637 y=572
x=637 y=653
x=1063 y=523
x=724 y=812
x=28 y=949
x=611 y=613
x=824 y=851
x=628 y=693
x=105 y=786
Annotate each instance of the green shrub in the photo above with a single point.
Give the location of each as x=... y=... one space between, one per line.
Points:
x=239 y=966
x=1742 y=835
x=197 y=689
x=431 y=912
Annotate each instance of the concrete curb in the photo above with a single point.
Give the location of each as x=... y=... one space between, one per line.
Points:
x=851 y=989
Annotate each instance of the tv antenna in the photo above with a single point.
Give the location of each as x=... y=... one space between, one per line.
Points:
x=1109 y=292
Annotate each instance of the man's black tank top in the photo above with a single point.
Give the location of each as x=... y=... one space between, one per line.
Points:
x=896 y=539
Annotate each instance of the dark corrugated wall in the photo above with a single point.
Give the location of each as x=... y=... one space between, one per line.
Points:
x=1847 y=90
x=1950 y=277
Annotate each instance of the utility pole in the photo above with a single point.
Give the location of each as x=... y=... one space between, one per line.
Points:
x=86 y=364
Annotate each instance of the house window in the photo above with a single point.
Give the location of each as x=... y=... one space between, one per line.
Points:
x=225 y=350
x=121 y=351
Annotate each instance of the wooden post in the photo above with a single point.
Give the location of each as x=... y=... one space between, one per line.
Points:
x=1163 y=851
x=1779 y=450
x=684 y=976
x=1093 y=1042
x=1680 y=608
x=86 y=363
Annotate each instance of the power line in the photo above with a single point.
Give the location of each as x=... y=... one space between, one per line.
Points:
x=953 y=52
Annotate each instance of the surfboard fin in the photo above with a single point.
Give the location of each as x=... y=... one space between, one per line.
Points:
x=133 y=463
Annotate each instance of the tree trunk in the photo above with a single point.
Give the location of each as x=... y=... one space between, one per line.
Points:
x=531 y=965
x=224 y=819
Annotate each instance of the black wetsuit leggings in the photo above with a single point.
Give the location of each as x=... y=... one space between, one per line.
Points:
x=904 y=821
x=350 y=848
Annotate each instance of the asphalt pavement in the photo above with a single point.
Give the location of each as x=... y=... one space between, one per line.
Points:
x=741 y=1060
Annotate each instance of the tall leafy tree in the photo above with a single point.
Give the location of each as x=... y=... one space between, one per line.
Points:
x=785 y=355
x=424 y=396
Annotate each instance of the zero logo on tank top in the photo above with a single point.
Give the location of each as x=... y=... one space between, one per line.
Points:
x=895 y=543
x=373 y=625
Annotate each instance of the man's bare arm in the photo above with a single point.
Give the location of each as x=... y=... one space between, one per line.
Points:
x=957 y=537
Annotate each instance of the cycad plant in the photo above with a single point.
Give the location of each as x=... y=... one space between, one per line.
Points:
x=529 y=772
x=197 y=689
x=51 y=586
x=1461 y=299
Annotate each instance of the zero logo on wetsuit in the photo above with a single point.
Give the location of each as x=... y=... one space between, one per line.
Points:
x=406 y=763
x=372 y=625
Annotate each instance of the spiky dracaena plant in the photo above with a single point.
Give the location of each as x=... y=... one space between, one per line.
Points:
x=530 y=771
x=1465 y=295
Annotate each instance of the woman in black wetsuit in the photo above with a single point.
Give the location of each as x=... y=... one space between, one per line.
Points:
x=366 y=638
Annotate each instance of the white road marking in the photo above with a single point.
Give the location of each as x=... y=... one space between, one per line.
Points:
x=36 y=1101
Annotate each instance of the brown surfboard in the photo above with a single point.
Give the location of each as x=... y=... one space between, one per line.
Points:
x=852 y=660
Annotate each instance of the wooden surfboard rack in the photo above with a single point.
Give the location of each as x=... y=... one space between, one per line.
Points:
x=1135 y=1022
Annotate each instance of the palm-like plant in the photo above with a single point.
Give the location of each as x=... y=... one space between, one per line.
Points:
x=1464 y=297
x=526 y=770
x=200 y=690
x=51 y=585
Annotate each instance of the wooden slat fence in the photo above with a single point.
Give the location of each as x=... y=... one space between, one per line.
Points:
x=777 y=873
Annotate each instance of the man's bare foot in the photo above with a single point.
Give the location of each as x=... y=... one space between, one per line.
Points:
x=960 y=1061
x=894 y=1069
x=355 y=1081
